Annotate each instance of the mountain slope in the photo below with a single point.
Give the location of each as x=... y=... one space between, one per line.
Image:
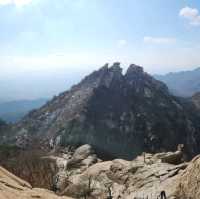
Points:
x=185 y=83
x=196 y=99
x=13 y=111
x=121 y=115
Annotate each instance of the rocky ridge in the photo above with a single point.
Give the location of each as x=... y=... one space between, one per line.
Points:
x=146 y=176
x=82 y=175
x=119 y=115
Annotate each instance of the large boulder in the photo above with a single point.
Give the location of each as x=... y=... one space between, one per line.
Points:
x=84 y=155
x=83 y=152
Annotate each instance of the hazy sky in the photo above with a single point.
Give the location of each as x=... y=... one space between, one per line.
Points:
x=74 y=36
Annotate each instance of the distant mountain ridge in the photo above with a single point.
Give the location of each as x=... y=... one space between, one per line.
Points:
x=185 y=83
x=120 y=114
x=13 y=111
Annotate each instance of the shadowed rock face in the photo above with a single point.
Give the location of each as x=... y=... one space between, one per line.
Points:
x=121 y=115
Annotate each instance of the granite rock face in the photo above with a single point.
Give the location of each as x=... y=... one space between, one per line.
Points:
x=144 y=177
x=189 y=186
x=120 y=115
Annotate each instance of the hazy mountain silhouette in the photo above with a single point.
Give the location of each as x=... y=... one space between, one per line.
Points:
x=15 y=110
x=185 y=83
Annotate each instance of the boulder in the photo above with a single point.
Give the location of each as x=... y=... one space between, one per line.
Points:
x=69 y=163
x=84 y=155
x=170 y=157
x=83 y=152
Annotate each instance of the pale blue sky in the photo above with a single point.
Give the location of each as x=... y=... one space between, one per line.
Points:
x=48 y=36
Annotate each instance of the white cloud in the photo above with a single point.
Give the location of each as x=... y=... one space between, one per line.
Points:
x=17 y=3
x=192 y=14
x=159 y=40
x=5 y=2
x=121 y=43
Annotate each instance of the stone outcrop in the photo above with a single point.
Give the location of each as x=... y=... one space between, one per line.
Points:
x=12 y=187
x=170 y=157
x=121 y=115
x=146 y=176
x=71 y=163
x=189 y=186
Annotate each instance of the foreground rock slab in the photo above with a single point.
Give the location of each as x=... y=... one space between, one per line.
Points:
x=12 y=187
x=189 y=186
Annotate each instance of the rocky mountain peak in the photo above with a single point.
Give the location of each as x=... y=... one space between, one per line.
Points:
x=115 y=72
x=121 y=115
x=135 y=73
x=107 y=75
x=134 y=69
x=116 y=67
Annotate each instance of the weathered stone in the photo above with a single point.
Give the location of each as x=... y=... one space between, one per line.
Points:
x=189 y=184
x=129 y=179
x=170 y=157
x=83 y=152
